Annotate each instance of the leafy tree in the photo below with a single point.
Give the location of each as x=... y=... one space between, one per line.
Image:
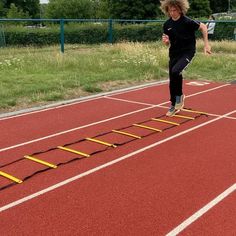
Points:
x=43 y=8
x=133 y=9
x=1 y=9
x=199 y=8
x=219 y=5
x=72 y=9
x=101 y=9
x=15 y=12
x=30 y=6
x=233 y=6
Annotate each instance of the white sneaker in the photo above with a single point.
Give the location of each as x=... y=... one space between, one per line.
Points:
x=172 y=111
x=179 y=104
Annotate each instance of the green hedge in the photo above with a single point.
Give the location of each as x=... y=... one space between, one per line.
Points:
x=90 y=33
x=137 y=32
x=24 y=36
x=224 y=31
x=87 y=33
x=84 y=33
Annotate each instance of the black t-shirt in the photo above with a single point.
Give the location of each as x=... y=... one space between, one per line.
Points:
x=181 y=35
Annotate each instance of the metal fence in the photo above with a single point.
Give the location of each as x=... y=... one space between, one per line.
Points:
x=2 y=37
x=24 y=32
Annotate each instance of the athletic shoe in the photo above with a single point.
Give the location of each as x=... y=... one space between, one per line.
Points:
x=179 y=104
x=171 y=111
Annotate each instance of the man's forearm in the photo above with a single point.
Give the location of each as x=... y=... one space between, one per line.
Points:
x=203 y=29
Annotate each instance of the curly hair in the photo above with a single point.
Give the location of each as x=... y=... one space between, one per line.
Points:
x=183 y=5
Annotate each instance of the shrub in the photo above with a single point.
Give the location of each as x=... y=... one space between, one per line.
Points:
x=95 y=33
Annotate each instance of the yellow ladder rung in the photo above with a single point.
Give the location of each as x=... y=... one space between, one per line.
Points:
x=101 y=142
x=40 y=161
x=4 y=174
x=193 y=111
x=184 y=117
x=147 y=127
x=73 y=151
x=127 y=134
x=166 y=121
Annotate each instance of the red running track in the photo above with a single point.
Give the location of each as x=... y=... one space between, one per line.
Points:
x=180 y=181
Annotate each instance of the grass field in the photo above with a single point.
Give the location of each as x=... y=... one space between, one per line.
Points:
x=37 y=76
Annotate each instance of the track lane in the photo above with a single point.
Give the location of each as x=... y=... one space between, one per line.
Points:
x=34 y=126
x=161 y=95
x=73 y=169
x=25 y=150
x=155 y=189
x=224 y=212
x=52 y=177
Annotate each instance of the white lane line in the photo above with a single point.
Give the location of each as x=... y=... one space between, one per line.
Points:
x=73 y=102
x=81 y=100
x=197 y=83
x=130 y=101
x=162 y=104
x=149 y=104
x=202 y=211
x=67 y=181
x=209 y=114
x=34 y=110
x=72 y=130
x=95 y=123
x=208 y=90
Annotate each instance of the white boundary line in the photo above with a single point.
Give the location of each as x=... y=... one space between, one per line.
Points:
x=67 y=181
x=72 y=102
x=72 y=130
x=191 y=95
x=102 y=121
x=202 y=211
x=161 y=106
x=130 y=101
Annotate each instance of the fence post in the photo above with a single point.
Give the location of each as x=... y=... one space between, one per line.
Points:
x=62 y=37
x=110 y=33
x=2 y=37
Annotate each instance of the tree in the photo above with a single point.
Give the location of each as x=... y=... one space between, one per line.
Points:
x=1 y=9
x=233 y=5
x=101 y=9
x=199 y=8
x=133 y=9
x=31 y=7
x=72 y=9
x=15 y=12
x=219 y=5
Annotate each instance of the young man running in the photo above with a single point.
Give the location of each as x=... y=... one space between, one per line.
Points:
x=179 y=34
